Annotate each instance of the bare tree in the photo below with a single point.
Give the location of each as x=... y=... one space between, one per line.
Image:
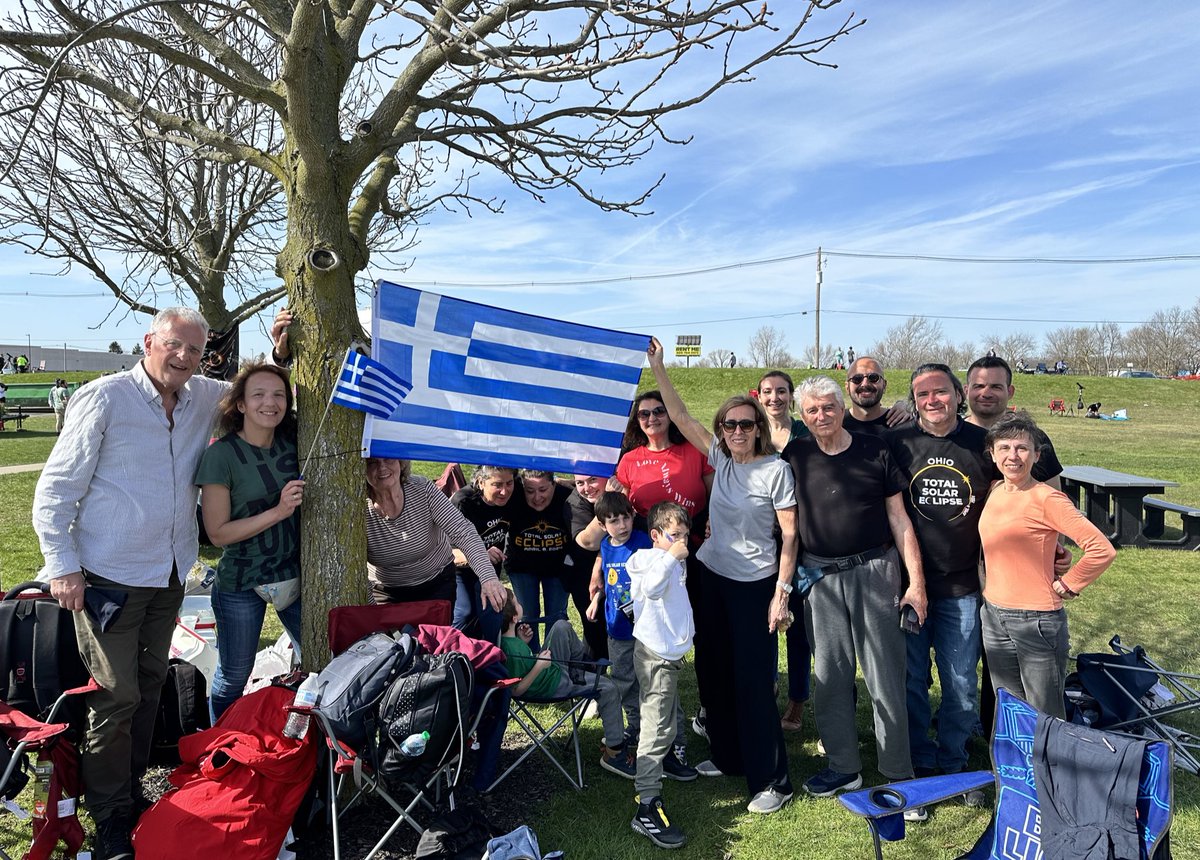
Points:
x=1109 y=346
x=768 y=348
x=913 y=342
x=1013 y=347
x=960 y=355
x=1058 y=344
x=715 y=358
x=378 y=112
x=1161 y=344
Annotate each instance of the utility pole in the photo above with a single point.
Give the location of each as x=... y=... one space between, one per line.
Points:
x=817 y=348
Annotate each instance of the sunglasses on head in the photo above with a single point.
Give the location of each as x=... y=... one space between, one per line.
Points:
x=657 y=412
x=745 y=425
x=873 y=378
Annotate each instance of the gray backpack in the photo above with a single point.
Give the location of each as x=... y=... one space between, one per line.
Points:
x=353 y=682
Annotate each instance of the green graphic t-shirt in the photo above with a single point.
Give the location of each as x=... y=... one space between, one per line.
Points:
x=255 y=478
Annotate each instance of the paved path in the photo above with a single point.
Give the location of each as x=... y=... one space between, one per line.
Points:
x=29 y=467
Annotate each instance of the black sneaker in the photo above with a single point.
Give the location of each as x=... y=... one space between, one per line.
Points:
x=112 y=839
x=700 y=725
x=651 y=821
x=829 y=782
x=677 y=768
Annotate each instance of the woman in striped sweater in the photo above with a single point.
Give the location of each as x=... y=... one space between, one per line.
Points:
x=411 y=527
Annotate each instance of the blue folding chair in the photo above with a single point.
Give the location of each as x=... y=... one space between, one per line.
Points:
x=1015 y=830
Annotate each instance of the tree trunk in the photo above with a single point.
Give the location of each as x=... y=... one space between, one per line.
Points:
x=333 y=561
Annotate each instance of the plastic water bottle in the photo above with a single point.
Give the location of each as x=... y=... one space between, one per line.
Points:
x=414 y=744
x=306 y=696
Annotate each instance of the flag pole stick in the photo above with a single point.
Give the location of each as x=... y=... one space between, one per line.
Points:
x=321 y=423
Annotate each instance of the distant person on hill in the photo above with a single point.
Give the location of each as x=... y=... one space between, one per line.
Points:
x=57 y=400
x=8 y=366
x=3 y=403
x=22 y=364
x=732 y=360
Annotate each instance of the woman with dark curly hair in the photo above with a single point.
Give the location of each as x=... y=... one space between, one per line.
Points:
x=251 y=495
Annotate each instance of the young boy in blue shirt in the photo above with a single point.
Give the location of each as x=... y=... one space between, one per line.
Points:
x=610 y=584
x=663 y=630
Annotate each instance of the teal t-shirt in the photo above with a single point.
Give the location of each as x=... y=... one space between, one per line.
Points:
x=519 y=658
x=255 y=478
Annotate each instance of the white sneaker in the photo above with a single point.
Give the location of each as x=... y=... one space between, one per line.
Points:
x=917 y=813
x=591 y=711
x=767 y=801
x=707 y=768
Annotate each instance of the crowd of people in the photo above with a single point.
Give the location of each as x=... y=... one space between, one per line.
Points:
x=859 y=532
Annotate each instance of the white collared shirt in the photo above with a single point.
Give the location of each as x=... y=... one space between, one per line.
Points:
x=117 y=496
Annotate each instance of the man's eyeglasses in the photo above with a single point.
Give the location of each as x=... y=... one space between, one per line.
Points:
x=873 y=378
x=174 y=345
x=745 y=425
x=657 y=412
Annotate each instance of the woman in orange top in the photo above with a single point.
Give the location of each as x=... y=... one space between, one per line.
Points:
x=1024 y=623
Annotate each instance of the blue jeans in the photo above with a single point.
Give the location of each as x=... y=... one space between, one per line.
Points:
x=239 y=617
x=529 y=588
x=471 y=614
x=952 y=631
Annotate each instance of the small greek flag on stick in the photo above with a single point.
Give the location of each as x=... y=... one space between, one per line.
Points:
x=368 y=386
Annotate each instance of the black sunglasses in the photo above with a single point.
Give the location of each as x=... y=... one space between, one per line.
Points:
x=657 y=412
x=745 y=425
x=873 y=378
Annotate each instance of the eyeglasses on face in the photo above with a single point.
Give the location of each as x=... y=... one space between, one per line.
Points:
x=873 y=378
x=174 y=345
x=657 y=412
x=745 y=425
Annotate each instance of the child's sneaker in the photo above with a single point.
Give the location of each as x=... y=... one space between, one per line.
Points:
x=829 y=782
x=618 y=761
x=652 y=822
x=675 y=767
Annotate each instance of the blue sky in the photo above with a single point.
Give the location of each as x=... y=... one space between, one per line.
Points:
x=1051 y=130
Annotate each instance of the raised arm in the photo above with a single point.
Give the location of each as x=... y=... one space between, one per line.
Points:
x=692 y=430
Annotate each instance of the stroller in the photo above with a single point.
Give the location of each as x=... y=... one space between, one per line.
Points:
x=1125 y=691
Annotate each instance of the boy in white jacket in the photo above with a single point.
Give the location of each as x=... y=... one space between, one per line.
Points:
x=662 y=630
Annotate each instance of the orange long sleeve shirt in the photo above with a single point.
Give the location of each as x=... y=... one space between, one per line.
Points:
x=1019 y=530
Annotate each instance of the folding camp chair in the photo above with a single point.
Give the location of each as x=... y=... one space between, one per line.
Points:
x=528 y=712
x=354 y=770
x=1016 y=826
x=55 y=814
x=1134 y=695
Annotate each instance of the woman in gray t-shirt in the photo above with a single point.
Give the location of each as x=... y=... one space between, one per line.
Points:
x=745 y=600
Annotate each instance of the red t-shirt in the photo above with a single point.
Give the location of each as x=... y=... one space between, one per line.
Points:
x=674 y=475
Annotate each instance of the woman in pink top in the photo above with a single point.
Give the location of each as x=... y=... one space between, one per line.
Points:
x=1024 y=623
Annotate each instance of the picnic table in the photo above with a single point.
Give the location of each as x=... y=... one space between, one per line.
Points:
x=1113 y=501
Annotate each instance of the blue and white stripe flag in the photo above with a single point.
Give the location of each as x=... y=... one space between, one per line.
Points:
x=369 y=386
x=500 y=387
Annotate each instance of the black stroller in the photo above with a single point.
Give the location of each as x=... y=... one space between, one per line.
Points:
x=1127 y=692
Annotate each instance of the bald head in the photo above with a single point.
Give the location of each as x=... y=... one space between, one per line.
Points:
x=865 y=383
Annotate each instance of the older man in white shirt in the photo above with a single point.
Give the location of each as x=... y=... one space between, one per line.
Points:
x=115 y=510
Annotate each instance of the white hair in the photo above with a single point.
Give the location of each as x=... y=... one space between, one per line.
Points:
x=820 y=386
x=187 y=316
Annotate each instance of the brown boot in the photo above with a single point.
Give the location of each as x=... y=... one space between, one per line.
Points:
x=793 y=717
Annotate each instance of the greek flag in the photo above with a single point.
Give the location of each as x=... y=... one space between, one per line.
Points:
x=368 y=386
x=499 y=387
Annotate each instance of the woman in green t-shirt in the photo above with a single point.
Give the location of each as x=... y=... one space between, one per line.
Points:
x=251 y=495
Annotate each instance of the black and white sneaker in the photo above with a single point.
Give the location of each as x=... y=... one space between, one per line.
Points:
x=700 y=725
x=675 y=767
x=652 y=822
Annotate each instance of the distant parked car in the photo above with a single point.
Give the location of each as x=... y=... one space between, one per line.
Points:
x=1136 y=374
x=1041 y=367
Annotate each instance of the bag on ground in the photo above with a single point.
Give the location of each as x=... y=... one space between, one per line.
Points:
x=182 y=710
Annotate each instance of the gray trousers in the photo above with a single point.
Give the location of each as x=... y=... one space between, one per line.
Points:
x=853 y=616
x=1027 y=652
x=624 y=675
x=658 y=680
x=564 y=644
x=129 y=662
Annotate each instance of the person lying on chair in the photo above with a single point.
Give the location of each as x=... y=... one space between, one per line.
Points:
x=554 y=674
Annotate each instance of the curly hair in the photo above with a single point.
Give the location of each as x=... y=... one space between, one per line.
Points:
x=231 y=418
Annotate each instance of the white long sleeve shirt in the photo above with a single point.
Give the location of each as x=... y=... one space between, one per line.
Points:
x=117 y=496
x=661 y=610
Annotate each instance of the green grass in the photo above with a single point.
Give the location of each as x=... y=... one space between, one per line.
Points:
x=1148 y=597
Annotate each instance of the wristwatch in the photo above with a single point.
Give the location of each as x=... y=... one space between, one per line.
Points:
x=785 y=587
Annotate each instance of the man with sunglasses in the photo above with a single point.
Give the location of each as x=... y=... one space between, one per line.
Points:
x=865 y=386
x=947 y=475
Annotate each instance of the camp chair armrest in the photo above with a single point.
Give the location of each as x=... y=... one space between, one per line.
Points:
x=884 y=800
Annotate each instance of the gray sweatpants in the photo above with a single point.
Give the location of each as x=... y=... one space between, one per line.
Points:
x=564 y=644
x=658 y=680
x=853 y=615
x=624 y=675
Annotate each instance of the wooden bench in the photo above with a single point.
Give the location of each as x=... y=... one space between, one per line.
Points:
x=1154 y=523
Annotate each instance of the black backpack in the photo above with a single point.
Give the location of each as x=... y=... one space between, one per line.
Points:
x=39 y=657
x=182 y=710
x=351 y=685
x=432 y=696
